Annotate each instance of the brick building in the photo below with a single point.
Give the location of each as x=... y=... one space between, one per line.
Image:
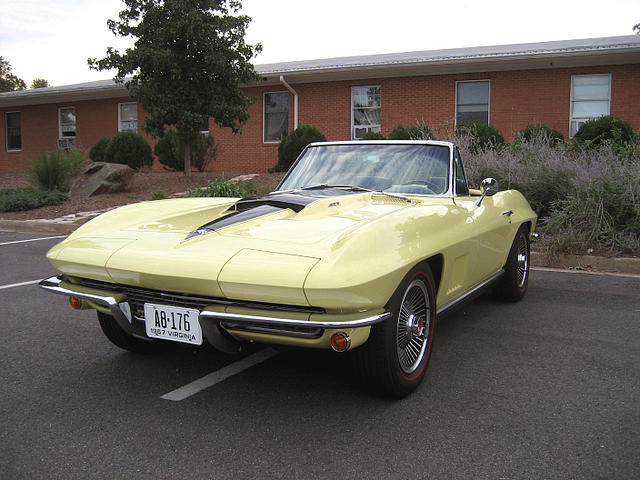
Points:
x=560 y=84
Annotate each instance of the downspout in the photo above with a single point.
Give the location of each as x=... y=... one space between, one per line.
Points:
x=295 y=100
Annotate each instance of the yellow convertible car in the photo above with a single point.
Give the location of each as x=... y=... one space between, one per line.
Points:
x=360 y=248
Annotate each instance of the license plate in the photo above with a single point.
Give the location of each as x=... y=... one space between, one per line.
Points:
x=173 y=323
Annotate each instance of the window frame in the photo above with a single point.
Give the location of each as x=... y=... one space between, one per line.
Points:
x=352 y=107
x=6 y=131
x=572 y=101
x=120 y=129
x=75 y=133
x=455 y=106
x=264 y=115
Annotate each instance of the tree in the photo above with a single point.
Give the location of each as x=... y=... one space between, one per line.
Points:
x=187 y=64
x=39 y=83
x=8 y=81
x=636 y=27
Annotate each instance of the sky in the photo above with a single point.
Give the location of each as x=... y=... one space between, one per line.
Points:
x=52 y=39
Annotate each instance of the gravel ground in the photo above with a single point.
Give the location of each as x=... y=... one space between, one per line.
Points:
x=142 y=187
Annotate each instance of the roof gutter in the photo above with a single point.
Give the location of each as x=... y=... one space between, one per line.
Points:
x=295 y=100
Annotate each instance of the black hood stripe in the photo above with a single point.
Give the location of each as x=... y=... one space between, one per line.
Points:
x=250 y=208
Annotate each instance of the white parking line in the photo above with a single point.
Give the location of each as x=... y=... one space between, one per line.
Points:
x=21 y=284
x=219 y=375
x=32 y=240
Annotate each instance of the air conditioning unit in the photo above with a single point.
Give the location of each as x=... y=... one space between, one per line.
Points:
x=66 y=143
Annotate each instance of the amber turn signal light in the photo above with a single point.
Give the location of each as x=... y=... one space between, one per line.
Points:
x=340 y=341
x=75 y=302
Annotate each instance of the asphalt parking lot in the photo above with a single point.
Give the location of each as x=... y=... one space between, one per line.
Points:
x=545 y=388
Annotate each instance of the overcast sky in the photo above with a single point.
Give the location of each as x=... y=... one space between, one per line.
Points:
x=53 y=38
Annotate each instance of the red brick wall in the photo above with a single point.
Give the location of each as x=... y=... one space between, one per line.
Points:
x=516 y=99
x=94 y=119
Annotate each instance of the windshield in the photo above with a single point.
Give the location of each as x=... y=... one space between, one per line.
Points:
x=395 y=168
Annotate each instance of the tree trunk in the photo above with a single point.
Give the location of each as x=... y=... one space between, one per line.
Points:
x=187 y=158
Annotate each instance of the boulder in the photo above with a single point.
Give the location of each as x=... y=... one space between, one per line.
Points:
x=101 y=177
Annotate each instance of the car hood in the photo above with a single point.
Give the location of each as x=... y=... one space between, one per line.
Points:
x=257 y=249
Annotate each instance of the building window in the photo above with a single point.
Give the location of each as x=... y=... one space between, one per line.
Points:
x=67 y=125
x=472 y=102
x=276 y=116
x=128 y=116
x=590 y=98
x=13 y=125
x=365 y=110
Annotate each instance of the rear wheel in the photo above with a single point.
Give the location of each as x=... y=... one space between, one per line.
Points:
x=512 y=286
x=126 y=341
x=394 y=359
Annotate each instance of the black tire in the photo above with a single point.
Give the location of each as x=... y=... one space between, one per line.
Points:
x=394 y=359
x=512 y=286
x=122 y=339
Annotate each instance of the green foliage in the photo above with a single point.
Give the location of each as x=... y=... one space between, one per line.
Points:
x=159 y=195
x=596 y=132
x=539 y=130
x=39 y=83
x=55 y=170
x=221 y=188
x=28 y=198
x=484 y=135
x=129 y=148
x=96 y=154
x=170 y=150
x=371 y=135
x=294 y=143
x=585 y=199
x=187 y=65
x=8 y=81
x=415 y=132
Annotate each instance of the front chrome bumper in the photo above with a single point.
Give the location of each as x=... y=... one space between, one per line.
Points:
x=216 y=314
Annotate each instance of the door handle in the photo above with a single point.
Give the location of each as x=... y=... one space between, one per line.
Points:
x=508 y=213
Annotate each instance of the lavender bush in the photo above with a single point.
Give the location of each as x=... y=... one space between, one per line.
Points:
x=585 y=199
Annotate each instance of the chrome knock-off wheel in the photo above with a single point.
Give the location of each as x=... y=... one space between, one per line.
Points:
x=522 y=269
x=413 y=326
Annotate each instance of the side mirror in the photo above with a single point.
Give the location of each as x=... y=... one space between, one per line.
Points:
x=489 y=187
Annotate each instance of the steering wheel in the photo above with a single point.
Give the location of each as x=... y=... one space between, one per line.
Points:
x=434 y=187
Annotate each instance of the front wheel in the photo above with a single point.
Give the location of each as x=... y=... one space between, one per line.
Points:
x=124 y=340
x=394 y=359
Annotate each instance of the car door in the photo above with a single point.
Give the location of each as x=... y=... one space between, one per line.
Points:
x=488 y=228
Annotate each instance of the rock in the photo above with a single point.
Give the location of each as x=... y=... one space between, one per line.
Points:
x=100 y=177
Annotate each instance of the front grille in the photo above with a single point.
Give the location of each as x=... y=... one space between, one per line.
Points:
x=138 y=296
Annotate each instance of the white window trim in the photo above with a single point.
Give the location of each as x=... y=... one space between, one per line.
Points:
x=6 y=131
x=60 y=122
x=120 y=115
x=264 y=114
x=455 y=104
x=351 y=107
x=571 y=119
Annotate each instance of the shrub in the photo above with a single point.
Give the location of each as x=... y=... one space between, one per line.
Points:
x=483 y=135
x=28 y=198
x=584 y=199
x=370 y=135
x=96 y=154
x=221 y=188
x=55 y=170
x=129 y=148
x=159 y=195
x=170 y=151
x=294 y=143
x=539 y=131
x=415 y=132
x=594 y=133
